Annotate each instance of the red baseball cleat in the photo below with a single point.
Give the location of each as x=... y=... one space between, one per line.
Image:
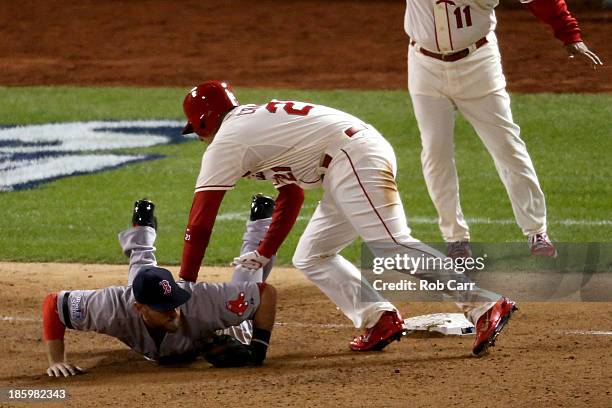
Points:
x=491 y=324
x=540 y=245
x=390 y=327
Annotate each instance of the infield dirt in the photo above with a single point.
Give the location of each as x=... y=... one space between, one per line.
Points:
x=312 y=44
x=536 y=361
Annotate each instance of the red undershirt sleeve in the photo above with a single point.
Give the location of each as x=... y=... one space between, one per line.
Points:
x=53 y=328
x=286 y=210
x=199 y=228
x=556 y=14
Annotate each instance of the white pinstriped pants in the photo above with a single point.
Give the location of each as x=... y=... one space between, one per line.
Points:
x=360 y=199
x=475 y=86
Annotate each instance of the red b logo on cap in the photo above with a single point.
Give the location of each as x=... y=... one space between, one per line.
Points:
x=166 y=287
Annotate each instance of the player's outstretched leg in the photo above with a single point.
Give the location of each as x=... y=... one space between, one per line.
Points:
x=341 y=281
x=136 y=242
x=492 y=119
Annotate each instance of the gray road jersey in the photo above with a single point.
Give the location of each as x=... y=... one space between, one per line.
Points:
x=110 y=310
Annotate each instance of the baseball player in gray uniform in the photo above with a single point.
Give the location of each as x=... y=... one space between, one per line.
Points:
x=164 y=320
x=454 y=64
x=297 y=146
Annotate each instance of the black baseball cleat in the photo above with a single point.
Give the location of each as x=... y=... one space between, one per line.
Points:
x=261 y=207
x=144 y=214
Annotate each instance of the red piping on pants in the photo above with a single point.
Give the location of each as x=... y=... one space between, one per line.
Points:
x=375 y=210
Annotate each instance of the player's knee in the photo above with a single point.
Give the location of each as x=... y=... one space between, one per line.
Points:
x=436 y=152
x=302 y=262
x=302 y=259
x=299 y=260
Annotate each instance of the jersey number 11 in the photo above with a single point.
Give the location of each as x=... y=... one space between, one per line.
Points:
x=459 y=17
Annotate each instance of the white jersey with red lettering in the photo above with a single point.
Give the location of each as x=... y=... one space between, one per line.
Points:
x=449 y=25
x=294 y=143
x=279 y=141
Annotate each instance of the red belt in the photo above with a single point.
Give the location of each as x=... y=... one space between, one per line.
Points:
x=455 y=56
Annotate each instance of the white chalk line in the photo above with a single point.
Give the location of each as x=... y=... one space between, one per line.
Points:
x=243 y=216
x=314 y=325
x=18 y=319
x=589 y=332
x=323 y=326
x=280 y=324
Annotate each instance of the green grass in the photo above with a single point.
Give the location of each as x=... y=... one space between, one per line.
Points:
x=76 y=219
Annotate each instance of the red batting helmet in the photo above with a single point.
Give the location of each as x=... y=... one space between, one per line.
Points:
x=206 y=105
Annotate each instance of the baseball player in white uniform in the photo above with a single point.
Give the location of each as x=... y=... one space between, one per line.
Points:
x=163 y=320
x=454 y=64
x=298 y=146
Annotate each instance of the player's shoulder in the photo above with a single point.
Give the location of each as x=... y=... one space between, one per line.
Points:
x=291 y=106
x=207 y=289
x=242 y=111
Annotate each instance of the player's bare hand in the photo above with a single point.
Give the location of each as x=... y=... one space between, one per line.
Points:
x=64 y=369
x=582 y=51
x=251 y=260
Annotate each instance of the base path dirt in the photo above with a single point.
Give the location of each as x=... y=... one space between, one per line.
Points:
x=314 y=44
x=548 y=356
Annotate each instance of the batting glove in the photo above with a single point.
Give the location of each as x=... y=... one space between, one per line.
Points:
x=251 y=260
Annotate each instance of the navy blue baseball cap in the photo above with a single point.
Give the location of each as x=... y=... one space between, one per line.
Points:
x=156 y=288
